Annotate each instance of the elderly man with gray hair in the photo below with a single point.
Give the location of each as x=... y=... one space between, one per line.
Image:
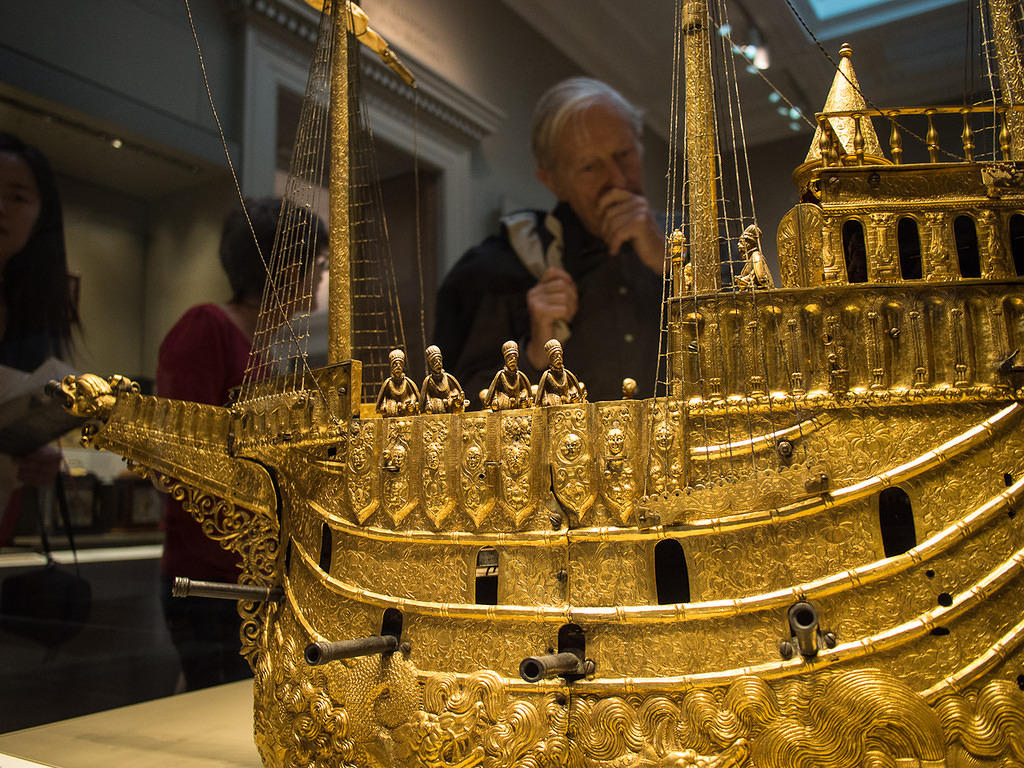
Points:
x=587 y=273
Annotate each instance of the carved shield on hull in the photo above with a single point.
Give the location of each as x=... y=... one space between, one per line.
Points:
x=572 y=465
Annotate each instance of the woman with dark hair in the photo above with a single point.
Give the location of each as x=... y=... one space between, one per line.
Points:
x=202 y=359
x=36 y=310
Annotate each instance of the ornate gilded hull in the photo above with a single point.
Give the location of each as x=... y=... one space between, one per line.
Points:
x=917 y=656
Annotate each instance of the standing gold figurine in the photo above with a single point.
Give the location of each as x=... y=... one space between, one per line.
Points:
x=510 y=388
x=558 y=384
x=441 y=392
x=755 y=271
x=398 y=395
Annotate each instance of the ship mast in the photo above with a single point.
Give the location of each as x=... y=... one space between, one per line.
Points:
x=1011 y=73
x=701 y=172
x=339 y=313
x=699 y=182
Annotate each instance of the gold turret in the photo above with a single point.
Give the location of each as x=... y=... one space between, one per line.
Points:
x=844 y=96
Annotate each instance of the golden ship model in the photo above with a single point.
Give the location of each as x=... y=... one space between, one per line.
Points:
x=804 y=552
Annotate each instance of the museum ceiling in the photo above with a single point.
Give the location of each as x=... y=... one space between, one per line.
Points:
x=905 y=51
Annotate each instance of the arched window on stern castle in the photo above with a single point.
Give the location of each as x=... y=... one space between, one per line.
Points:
x=855 y=252
x=908 y=242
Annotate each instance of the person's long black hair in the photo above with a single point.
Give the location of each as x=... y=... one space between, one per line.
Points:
x=36 y=285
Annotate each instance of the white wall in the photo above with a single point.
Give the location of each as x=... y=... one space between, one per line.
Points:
x=182 y=262
x=141 y=266
x=130 y=62
x=105 y=236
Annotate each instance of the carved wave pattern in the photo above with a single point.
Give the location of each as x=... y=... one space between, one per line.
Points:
x=858 y=717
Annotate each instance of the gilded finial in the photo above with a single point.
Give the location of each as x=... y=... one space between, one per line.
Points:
x=846 y=51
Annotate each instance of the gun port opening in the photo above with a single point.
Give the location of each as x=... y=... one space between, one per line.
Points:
x=486 y=577
x=326 y=541
x=391 y=623
x=671 y=575
x=896 y=521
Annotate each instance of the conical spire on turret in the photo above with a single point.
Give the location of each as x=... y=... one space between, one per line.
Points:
x=845 y=96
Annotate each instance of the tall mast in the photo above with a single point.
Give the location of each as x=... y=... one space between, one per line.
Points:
x=339 y=313
x=701 y=171
x=1011 y=73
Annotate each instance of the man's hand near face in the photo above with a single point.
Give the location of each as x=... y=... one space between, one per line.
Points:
x=626 y=217
x=552 y=299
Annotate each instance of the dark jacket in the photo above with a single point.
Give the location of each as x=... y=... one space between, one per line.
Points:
x=482 y=303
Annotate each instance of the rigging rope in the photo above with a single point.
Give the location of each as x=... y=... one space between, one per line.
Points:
x=274 y=291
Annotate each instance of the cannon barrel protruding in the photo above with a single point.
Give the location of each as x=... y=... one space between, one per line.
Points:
x=803 y=622
x=185 y=587
x=534 y=668
x=322 y=651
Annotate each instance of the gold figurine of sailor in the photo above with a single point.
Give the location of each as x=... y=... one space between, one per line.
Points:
x=755 y=269
x=510 y=388
x=398 y=395
x=558 y=384
x=441 y=392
